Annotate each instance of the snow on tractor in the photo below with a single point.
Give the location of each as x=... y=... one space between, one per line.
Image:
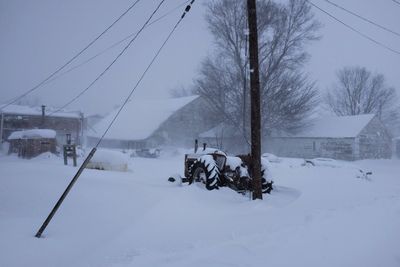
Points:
x=212 y=169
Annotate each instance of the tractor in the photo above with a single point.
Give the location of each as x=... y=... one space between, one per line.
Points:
x=213 y=169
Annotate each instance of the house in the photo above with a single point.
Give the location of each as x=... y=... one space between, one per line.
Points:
x=31 y=143
x=347 y=138
x=149 y=123
x=18 y=118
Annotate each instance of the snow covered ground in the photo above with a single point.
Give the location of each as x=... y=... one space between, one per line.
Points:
x=317 y=216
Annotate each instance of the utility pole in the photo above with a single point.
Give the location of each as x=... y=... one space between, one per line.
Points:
x=255 y=99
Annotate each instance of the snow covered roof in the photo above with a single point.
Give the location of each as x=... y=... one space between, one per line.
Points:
x=32 y=134
x=26 y=110
x=335 y=127
x=140 y=118
x=221 y=130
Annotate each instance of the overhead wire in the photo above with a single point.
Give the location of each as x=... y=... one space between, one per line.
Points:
x=187 y=9
x=93 y=151
x=112 y=62
x=12 y=101
x=354 y=29
x=115 y=44
x=363 y=18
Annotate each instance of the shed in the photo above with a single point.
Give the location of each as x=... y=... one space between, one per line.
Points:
x=345 y=137
x=31 y=143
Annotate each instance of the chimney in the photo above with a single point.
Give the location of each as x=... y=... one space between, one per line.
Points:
x=43 y=114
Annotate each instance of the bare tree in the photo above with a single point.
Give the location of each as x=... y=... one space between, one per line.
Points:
x=358 y=91
x=287 y=93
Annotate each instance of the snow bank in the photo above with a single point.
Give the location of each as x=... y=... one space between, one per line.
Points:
x=46 y=155
x=331 y=163
x=315 y=216
x=271 y=157
x=110 y=160
x=33 y=134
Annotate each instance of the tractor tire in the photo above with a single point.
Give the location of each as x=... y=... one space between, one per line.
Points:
x=266 y=186
x=205 y=171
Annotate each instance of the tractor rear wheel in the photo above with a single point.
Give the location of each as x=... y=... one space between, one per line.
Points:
x=205 y=171
x=266 y=185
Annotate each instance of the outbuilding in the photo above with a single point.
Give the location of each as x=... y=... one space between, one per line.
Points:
x=345 y=137
x=31 y=143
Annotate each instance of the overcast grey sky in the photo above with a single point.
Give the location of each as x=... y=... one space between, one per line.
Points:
x=39 y=36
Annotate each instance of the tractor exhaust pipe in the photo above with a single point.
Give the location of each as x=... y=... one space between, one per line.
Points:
x=204 y=146
x=196 y=145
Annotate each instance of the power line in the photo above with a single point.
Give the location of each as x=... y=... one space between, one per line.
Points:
x=144 y=73
x=11 y=101
x=112 y=63
x=397 y=2
x=93 y=151
x=115 y=44
x=354 y=30
x=363 y=18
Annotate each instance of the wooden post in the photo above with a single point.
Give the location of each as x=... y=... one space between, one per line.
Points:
x=68 y=138
x=255 y=99
x=74 y=154
x=65 y=154
x=82 y=121
x=64 y=195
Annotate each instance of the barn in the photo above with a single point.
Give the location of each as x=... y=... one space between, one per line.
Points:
x=346 y=138
x=18 y=118
x=149 y=123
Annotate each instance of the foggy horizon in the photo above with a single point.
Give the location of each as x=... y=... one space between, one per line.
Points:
x=42 y=35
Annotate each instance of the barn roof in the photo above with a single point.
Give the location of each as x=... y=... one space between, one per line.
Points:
x=221 y=130
x=37 y=111
x=140 y=118
x=336 y=127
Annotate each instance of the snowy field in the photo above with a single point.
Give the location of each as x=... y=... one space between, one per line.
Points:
x=317 y=216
